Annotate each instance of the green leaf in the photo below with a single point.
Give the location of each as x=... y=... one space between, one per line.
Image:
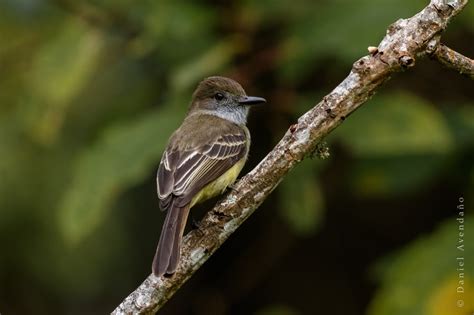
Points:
x=210 y=62
x=61 y=69
x=423 y=278
x=317 y=31
x=176 y=29
x=122 y=157
x=302 y=198
x=399 y=141
x=396 y=125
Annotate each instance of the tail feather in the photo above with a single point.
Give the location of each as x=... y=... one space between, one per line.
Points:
x=169 y=247
x=178 y=237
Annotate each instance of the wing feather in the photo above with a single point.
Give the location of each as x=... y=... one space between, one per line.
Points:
x=182 y=174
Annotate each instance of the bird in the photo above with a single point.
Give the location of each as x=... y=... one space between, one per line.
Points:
x=203 y=157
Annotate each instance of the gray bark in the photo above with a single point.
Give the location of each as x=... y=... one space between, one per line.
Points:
x=405 y=41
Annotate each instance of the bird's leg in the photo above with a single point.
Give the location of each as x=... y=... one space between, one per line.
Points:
x=232 y=188
x=195 y=224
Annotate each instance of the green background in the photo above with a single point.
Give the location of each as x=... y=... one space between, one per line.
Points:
x=91 y=90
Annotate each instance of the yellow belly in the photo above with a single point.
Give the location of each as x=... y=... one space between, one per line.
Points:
x=218 y=186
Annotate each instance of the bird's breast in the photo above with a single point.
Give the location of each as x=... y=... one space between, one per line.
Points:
x=219 y=185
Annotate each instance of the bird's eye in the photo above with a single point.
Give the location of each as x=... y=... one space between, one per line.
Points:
x=219 y=96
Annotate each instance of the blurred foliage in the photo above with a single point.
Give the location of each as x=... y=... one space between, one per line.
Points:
x=390 y=129
x=75 y=48
x=107 y=167
x=91 y=90
x=424 y=278
x=302 y=198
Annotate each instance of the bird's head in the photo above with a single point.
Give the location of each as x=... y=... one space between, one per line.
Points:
x=223 y=97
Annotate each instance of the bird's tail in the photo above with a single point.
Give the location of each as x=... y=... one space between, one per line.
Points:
x=169 y=247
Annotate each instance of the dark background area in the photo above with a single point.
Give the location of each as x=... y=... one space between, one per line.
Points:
x=91 y=90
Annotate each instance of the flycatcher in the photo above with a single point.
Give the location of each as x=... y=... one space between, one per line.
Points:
x=203 y=157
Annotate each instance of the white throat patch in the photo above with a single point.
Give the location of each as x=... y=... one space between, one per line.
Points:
x=237 y=115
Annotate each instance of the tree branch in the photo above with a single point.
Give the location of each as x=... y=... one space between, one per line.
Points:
x=405 y=40
x=453 y=60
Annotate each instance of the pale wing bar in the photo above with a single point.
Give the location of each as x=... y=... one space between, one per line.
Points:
x=182 y=174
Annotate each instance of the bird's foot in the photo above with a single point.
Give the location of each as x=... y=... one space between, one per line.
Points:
x=232 y=188
x=195 y=224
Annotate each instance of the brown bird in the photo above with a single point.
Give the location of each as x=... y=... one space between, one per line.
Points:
x=203 y=157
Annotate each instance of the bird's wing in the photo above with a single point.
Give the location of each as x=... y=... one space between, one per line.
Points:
x=184 y=173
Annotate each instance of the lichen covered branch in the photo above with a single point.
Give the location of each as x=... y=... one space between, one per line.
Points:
x=454 y=60
x=405 y=41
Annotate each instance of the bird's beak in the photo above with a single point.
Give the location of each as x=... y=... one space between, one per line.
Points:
x=251 y=100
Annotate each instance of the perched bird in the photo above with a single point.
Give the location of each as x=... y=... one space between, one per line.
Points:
x=203 y=157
